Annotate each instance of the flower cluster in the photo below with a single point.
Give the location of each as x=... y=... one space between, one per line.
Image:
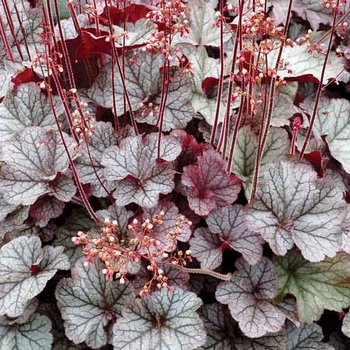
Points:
x=83 y=120
x=119 y=249
x=169 y=20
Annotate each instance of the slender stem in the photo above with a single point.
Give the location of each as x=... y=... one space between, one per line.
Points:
x=3 y=36
x=267 y=119
x=22 y=31
x=165 y=90
x=120 y=71
x=221 y=77
x=235 y=133
x=70 y=159
x=238 y=40
x=11 y=26
x=319 y=89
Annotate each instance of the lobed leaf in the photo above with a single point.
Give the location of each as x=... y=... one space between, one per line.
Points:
x=89 y=163
x=25 y=107
x=33 y=160
x=316 y=286
x=219 y=327
x=332 y=121
x=208 y=185
x=140 y=176
x=277 y=145
x=162 y=320
x=293 y=206
x=88 y=302
x=306 y=337
x=25 y=268
x=272 y=341
x=249 y=295
x=34 y=334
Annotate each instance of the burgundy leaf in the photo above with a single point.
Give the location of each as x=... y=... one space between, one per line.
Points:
x=208 y=185
x=131 y=13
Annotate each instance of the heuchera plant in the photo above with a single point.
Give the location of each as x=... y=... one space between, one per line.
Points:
x=175 y=174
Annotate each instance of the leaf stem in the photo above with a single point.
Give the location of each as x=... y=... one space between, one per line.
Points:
x=221 y=77
x=319 y=88
x=266 y=121
x=211 y=273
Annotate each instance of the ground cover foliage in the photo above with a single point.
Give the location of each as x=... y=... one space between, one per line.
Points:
x=174 y=174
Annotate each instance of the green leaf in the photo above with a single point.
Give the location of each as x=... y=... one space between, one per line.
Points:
x=317 y=286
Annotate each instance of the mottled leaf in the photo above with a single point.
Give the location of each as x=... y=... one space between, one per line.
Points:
x=163 y=320
x=293 y=206
x=272 y=341
x=144 y=81
x=303 y=63
x=140 y=176
x=27 y=106
x=89 y=164
x=34 y=158
x=306 y=337
x=206 y=248
x=32 y=335
x=88 y=302
x=201 y=17
x=332 y=121
x=249 y=295
x=60 y=341
x=79 y=220
x=45 y=209
x=230 y=224
x=25 y=268
x=5 y=208
x=277 y=145
x=219 y=327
